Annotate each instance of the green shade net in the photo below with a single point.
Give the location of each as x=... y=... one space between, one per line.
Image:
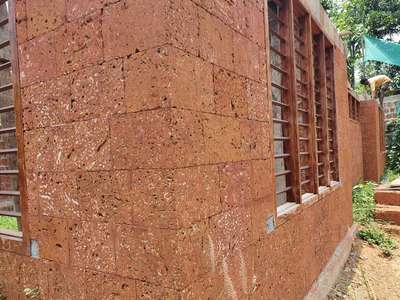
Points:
x=383 y=51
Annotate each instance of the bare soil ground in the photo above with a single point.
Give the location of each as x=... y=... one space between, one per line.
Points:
x=368 y=274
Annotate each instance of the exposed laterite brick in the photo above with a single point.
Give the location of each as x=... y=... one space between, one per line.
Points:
x=172 y=21
x=235 y=184
x=146 y=290
x=32 y=274
x=261 y=171
x=48 y=149
x=230 y=93
x=183 y=25
x=222 y=9
x=79 y=44
x=133 y=246
x=196 y=193
x=92 y=245
x=56 y=194
x=96 y=91
x=44 y=16
x=228 y=231
x=91 y=149
x=44 y=104
x=66 y=282
x=105 y=286
x=104 y=196
x=255 y=137
x=148 y=79
x=118 y=21
x=192 y=84
x=237 y=269
x=170 y=252
x=153 y=203
x=222 y=138
x=247 y=58
x=37 y=59
x=162 y=139
x=261 y=210
x=52 y=235
x=373 y=154
x=257 y=100
x=249 y=21
x=259 y=4
x=77 y=8
x=210 y=286
x=216 y=41
x=165 y=77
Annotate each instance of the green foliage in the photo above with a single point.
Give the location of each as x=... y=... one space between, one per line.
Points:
x=331 y=7
x=364 y=203
x=379 y=19
x=9 y=223
x=389 y=176
x=363 y=214
x=376 y=236
x=393 y=147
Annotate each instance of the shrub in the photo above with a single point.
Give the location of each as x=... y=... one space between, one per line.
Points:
x=363 y=203
x=393 y=146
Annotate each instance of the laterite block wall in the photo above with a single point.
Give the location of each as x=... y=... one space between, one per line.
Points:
x=356 y=150
x=373 y=153
x=148 y=154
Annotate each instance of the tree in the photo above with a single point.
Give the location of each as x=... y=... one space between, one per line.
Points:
x=379 y=19
x=393 y=147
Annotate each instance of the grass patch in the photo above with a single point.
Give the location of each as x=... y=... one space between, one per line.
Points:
x=376 y=236
x=363 y=213
x=9 y=223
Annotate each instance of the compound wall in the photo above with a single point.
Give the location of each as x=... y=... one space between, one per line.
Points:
x=374 y=152
x=147 y=130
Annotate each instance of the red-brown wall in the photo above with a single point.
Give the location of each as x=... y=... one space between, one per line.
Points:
x=374 y=153
x=147 y=130
x=356 y=150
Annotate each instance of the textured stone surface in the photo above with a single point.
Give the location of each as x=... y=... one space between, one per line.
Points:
x=147 y=130
x=387 y=197
x=373 y=154
x=44 y=16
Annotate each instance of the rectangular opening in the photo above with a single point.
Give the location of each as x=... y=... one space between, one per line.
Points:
x=321 y=126
x=331 y=107
x=354 y=106
x=10 y=208
x=305 y=112
x=281 y=108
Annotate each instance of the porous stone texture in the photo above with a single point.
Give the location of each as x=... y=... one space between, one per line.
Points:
x=149 y=159
x=374 y=152
x=387 y=196
x=356 y=149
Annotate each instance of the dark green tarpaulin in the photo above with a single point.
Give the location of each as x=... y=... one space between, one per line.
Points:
x=383 y=51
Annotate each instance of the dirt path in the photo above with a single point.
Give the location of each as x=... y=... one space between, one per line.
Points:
x=370 y=275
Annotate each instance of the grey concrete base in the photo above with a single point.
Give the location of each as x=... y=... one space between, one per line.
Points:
x=329 y=275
